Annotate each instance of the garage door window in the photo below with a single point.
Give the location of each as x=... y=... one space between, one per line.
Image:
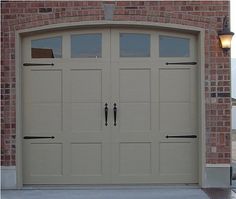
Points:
x=86 y=46
x=134 y=45
x=174 y=46
x=47 y=48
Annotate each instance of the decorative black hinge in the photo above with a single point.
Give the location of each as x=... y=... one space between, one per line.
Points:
x=37 y=64
x=181 y=136
x=181 y=63
x=38 y=137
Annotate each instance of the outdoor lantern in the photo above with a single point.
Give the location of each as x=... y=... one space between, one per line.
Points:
x=225 y=36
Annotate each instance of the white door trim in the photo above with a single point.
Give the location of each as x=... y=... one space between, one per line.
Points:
x=199 y=32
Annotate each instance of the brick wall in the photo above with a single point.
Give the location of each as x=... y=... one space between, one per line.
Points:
x=205 y=14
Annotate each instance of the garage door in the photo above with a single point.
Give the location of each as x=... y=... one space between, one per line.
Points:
x=109 y=106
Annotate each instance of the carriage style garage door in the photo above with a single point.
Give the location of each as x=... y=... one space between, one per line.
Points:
x=102 y=106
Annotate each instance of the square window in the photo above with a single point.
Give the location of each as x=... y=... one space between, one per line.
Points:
x=174 y=46
x=134 y=45
x=86 y=46
x=47 y=48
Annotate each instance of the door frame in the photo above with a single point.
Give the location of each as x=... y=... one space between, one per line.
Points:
x=200 y=36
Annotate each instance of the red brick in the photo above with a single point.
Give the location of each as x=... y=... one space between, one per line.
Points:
x=123 y=3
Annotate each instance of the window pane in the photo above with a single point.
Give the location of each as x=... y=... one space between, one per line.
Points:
x=86 y=46
x=134 y=45
x=173 y=47
x=47 y=48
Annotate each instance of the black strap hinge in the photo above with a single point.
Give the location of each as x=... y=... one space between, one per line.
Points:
x=181 y=136
x=38 y=137
x=38 y=64
x=181 y=63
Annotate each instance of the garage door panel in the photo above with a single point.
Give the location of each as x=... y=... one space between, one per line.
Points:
x=134 y=85
x=86 y=117
x=43 y=117
x=176 y=158
x=175 y=85
x=44 y=86
x=69 y=99
x=86 y=85
x=45 y=159
x=134 y=158
x=175 y=117
x=134 y=117
x=86 y=159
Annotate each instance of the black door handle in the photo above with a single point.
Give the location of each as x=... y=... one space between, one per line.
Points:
x=115 y=112
x=106 y=114
x=38 y=137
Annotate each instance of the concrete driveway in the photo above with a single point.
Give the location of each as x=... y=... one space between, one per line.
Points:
x=103 y=193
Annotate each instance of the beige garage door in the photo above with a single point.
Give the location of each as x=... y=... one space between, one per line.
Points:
x=109 y=106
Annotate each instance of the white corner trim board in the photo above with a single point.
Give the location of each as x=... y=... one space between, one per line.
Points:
x=8 y=177
x=217 y=165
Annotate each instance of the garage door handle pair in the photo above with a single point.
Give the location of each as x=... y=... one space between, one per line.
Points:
x=114 y=112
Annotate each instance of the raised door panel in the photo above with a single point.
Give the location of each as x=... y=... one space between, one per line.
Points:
x=86 y=159
x=46 y=159
x=134 y=100
x=178 y=155
x=133 y=139
x=135 y=158
x=42 y=101
x=43 y=111
x=86 y=100
x=89 y=144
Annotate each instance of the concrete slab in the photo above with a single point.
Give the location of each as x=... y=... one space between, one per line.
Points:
x=158 y=193
x=214 y=193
